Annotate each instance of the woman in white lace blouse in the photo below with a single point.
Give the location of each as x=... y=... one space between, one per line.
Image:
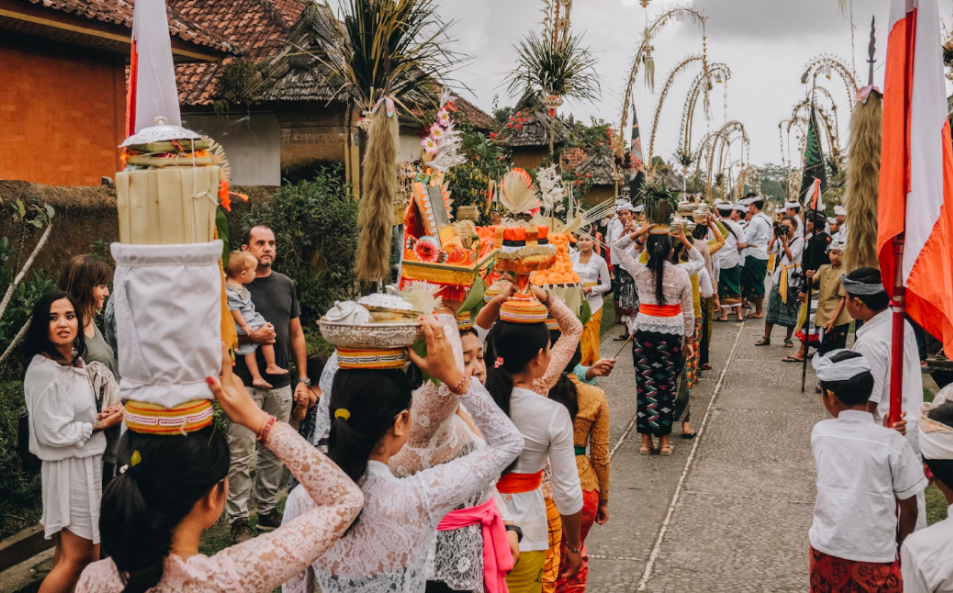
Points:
x=172 y=487
x=440 y=433
x=387 y=547
x=663 y=331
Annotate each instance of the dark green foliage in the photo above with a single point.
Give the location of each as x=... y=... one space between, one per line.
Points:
x=315 y=226
x=21 y=305
x=234 y=85
x=566 y=69
x=20 y=497
x=487 y=160
x=595 y=135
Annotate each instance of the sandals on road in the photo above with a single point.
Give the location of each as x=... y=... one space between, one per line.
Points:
x=666 y=450
x=763 y=342
x=792 y=359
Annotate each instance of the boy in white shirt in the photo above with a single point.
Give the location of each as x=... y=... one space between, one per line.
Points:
x=864 y=471
x=927 y=555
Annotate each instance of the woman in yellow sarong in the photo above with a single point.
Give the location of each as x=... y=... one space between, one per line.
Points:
x=594 y=273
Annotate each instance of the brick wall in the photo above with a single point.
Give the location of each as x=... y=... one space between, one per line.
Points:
x=61 y=116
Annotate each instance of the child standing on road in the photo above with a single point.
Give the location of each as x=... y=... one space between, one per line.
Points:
x=832 y=315
x=863 y=472
x=239 y=272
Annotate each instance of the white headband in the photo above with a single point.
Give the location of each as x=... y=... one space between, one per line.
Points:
x=828 y=370
x=936 y=438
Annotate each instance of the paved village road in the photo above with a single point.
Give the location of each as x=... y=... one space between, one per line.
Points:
x=729 y=511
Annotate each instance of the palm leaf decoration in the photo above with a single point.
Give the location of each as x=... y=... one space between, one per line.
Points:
x=395 y=48
x=661 y=203
x=566 y=69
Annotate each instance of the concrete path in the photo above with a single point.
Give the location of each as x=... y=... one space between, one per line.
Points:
x=729 y=511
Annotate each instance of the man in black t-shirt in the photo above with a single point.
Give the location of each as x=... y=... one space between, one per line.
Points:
x=275 y=297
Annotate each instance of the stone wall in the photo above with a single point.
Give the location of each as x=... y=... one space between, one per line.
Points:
x=85 y=216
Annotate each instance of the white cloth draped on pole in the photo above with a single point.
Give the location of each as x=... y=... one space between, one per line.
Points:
x=153 y=71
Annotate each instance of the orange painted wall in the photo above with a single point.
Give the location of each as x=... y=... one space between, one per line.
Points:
x=61 y=116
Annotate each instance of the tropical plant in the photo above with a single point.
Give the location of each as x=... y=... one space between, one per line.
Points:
x=393 y=48
x=661 y=202
x=566 y=69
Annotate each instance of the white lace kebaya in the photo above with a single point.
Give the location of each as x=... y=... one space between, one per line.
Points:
x=386 y=550
x=260 y=564
x=440 y=435
x=676 y=288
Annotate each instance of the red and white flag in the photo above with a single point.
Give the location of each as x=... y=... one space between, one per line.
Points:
x=816 y=202
x=152 y=91
x=916 y=171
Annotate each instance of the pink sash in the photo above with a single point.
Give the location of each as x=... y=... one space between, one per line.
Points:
x=497 y=559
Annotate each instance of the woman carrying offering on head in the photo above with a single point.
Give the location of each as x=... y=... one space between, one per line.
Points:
x=521 y=372
x=373 y=412
x=663 y=330
x=67 y=434
x=170 y=488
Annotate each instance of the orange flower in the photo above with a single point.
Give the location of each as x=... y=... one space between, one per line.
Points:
x=223 y=195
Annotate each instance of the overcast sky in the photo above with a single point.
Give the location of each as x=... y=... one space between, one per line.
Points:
x=765 y=43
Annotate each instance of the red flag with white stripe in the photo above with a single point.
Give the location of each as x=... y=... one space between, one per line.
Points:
x=916 y=172
x=817 y=203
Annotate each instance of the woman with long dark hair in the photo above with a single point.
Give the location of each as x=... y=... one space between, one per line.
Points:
x=86 y=279
x=523 y=369
x=373 y=416
x=663 y=332
x=170 y=488
x=66 y=433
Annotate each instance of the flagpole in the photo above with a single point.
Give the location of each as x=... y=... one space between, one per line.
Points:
x=810 y=286
x=897 y=306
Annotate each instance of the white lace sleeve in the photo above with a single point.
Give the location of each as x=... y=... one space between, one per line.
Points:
x=322 y=419
x=695 y=262
x=270 y=559
x=451 y=484
x=434 y=437
x=688 y=308
x=629 y=260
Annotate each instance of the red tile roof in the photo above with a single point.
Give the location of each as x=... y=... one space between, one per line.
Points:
x=120 y=12
x=260 y=27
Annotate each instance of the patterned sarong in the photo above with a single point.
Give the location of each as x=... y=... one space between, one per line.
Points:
x=628 y=297
x=658 y=362
x=752 y=278
x=779 y=312
x=830 y=574
x=691 y=365
x=729 y=287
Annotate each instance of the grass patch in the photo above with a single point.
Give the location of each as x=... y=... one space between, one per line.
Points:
x=219 y=536
x=928 y=395
x=937 y=506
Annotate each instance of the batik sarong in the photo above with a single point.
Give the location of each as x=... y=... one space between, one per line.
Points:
x=752 y=278
x=779 y=312
x=691 y=365
x=628 y=297
x=729 y=287
x=830 y=574
x=658 y=363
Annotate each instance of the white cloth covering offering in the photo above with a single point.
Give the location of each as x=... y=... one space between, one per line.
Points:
x=168 y=320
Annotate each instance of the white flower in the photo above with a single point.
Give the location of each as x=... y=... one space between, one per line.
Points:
x=436 y=132
x=429 y=145
x=443 y=117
